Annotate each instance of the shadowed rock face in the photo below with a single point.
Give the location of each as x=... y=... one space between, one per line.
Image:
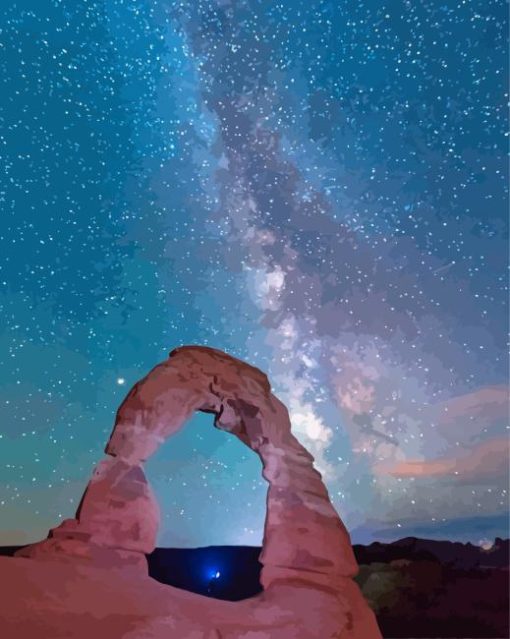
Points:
x=307 y=556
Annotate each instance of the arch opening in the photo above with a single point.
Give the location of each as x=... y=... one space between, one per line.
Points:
x=209 y=487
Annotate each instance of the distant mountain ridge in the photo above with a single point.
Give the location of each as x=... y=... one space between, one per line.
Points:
x=453 y=553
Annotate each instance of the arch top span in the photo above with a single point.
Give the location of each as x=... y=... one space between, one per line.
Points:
x=193 y=378
x=196 y=378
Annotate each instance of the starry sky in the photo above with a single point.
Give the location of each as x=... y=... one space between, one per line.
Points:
x=317 y=187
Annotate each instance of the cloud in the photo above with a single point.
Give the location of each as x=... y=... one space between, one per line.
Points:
x=486 y=462
x=468 y=416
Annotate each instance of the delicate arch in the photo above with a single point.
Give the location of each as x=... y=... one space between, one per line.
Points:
x=307 y=556
x=304 y=539
x=303 y=536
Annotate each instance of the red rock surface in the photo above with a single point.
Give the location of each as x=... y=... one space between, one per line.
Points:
x=62 y=587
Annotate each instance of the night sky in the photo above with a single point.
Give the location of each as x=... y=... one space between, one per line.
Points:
x=319 y=188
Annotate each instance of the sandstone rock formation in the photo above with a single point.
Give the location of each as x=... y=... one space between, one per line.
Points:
x=307 y=556
x=116 y=522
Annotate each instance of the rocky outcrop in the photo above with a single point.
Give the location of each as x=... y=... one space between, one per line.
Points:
x=115 y=525
x=307 y=558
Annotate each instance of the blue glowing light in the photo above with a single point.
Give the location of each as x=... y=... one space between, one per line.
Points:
x=215 y=574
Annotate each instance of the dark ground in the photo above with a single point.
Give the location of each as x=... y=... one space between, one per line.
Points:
x=417 y=587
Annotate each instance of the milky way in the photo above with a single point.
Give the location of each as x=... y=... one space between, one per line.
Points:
x=319 y=188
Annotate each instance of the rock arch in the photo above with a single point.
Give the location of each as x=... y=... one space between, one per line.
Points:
x=305 y=543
